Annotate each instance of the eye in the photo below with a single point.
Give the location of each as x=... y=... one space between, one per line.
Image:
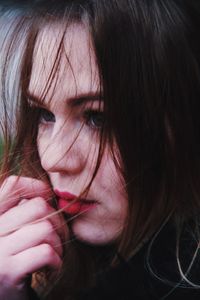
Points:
x=46 y=116
x=94 y=118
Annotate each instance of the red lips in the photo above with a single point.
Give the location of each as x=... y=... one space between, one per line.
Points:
x=65 y=195
x=70 y=205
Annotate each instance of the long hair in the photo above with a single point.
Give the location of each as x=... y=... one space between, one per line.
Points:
x=148 y=57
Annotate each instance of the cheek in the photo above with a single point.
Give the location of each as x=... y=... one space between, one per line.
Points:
x=40 y=141
x=116 y=199
x=39 y=145
x=113 y=197
x=111 y=180
x=105 y=223
x=43 y=150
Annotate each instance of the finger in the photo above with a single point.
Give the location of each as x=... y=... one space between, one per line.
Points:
x=30 y=236
x=31 y=211
x=15 y=188
x=29 y=261
x=22 y=201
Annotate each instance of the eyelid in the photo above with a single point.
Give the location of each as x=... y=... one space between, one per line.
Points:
x=41 y=110
x=89 y=116
x=95 y=106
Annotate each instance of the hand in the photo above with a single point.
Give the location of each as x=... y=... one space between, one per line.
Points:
x=29 y=240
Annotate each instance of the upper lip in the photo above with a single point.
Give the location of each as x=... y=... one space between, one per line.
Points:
x=69 y=196
x=65 y=195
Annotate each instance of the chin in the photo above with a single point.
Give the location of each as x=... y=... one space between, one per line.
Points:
x=93 y=235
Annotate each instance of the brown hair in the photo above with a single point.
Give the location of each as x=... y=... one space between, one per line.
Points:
x=149 y=65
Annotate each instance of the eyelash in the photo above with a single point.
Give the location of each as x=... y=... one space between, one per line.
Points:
x=91 y=117
x=89 y=114
x=49 y=116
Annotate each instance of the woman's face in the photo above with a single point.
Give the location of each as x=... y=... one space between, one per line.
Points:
x=71 y=116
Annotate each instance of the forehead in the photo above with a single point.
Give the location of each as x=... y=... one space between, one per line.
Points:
x=64 y=63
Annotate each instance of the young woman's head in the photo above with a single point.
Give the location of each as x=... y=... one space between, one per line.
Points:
x=107 y=108
x=69 y=126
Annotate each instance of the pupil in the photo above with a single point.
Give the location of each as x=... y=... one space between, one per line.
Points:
x=98 y=119
x=47 y=116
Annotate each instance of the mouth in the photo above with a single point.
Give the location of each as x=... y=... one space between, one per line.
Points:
x=72 y=205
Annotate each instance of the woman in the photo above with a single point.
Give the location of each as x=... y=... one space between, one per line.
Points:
x=100 y=172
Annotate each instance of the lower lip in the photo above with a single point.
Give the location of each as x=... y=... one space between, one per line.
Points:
x=76 y=207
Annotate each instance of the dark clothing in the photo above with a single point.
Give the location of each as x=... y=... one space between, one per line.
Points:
x=33 y=295
x=133 y=279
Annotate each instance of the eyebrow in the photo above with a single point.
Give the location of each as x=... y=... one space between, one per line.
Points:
x=72 y=101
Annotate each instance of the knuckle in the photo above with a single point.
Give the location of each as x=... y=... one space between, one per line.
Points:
x=48 y=251
x=8 y=186
x=47 y=227
x=9 y=181
x=40 y=206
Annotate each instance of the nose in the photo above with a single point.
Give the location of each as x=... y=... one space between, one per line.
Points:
x=63 y=152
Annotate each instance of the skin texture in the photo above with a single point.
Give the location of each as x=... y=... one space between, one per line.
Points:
x=68 y=141
x=28 y=242
x=31 y=234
